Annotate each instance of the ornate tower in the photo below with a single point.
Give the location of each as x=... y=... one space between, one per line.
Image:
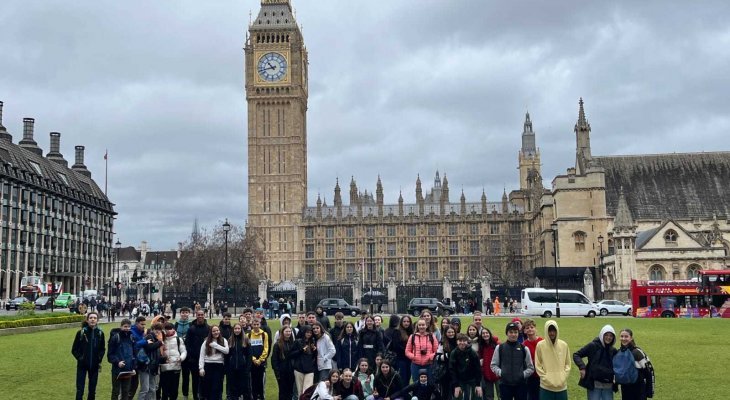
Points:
x=276 y=92
x=529 y=157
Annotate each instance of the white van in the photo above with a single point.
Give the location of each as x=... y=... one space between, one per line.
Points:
x=537 y=301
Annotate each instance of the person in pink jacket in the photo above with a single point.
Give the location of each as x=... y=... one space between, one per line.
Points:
x=421 y=349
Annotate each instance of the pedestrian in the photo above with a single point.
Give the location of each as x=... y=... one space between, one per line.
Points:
x=644 y=385
x=497 y=306
x=173 y=307
x=552 y=363
x=304 y=357
x=487 y=345
x=387 y=382
x=121 y=357
x=281 y=363
x=512 y=363
x=347 y=387
x=465 y=370
x=88 y=349
x=597 y=375
x=149 y=371
x=531 y=340
x=399 y=340
x=347 y=354
x=421 y=350
x=197 y=334
x=326 y=350
x=210 y=364
x=259 y=340
x=172 y=365
x=238 y=365
x=370 y=341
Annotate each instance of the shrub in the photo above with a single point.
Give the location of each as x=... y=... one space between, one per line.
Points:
x=20 y=323
x=27 y=309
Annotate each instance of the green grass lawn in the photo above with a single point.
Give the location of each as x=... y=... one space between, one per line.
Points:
x=688 y=355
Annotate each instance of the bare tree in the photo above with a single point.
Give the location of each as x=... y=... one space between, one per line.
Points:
x=203 y=260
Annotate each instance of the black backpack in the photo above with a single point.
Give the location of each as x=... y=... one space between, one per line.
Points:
x=649 y=375
x=308 y=392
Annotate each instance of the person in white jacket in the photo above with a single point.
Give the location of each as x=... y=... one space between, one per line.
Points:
x=211 y=364
x=326 y=350
x=326 y=389
x=170 y=369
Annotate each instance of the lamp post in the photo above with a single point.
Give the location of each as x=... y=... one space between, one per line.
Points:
x=118 y=284
x=226 y=228
x=600 y=263
x=371 y=250
x=554 y=227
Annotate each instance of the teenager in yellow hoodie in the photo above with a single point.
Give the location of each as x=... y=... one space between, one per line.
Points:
x=552 y=363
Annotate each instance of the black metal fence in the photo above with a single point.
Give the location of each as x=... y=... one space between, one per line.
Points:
x=315 y=293
x=404 y=294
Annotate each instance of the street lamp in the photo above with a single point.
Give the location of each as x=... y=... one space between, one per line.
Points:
x=118 y=284
x=554 y=227
x=226 y=228
x=371 y=250
x=600 y=264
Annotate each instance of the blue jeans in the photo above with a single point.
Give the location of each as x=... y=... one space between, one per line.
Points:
x=600 y=394
x=81 y=372
x=414 y=373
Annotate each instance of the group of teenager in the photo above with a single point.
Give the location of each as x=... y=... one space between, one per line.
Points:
x=413 y=358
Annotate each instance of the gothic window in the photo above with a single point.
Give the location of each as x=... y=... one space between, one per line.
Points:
x=474 y=229
x=656 y=273
x=411 y=230
x=494 y=229
x=350 y=271
x=413 y=269
x=670 y=237
x=474 y=269
x=693 y=271
x=412 y=249
x=329 y=232
x=350 y=250
x=611 y=248
x=392 y=269
x=309 y=273
x=350 y=231
x=330 y=272
x=454 y=270
x=309 y=251
x=433 y=270
x=391 y=230
x=391 y=249
x=580 y=241
x=474 y=248
x=330 y=250
x=432 y=230
x=453 y=229
x=309 y=233
x=371 y=231
x=453 y=248
x=433 y=249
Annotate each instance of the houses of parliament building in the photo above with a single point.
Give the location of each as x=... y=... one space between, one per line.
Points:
x=659 y=216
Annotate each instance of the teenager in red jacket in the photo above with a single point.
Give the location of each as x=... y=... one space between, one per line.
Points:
x=531 y=341
x=487 y=344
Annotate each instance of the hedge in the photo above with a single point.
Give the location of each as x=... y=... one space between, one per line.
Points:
x=19 y=323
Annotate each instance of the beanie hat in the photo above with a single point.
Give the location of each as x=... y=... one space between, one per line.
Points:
x=455 y=321
x=511 y=326
x=422 y=372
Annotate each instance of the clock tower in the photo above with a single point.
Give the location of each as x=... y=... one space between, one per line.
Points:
x=276 y=92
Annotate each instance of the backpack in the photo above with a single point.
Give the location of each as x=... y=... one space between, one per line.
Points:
x=142 y=357
x=649 y=376
x=624 y=367
x=308 y=392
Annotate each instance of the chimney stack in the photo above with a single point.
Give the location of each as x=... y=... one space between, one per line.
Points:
x=28 y=143
x=79 y=164
x=4 y=132
x=55 y=153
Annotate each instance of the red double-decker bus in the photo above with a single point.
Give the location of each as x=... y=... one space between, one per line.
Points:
x=705 y=296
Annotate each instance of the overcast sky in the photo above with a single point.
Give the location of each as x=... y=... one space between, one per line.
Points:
x=397 y=88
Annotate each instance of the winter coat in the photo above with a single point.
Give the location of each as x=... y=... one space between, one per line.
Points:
x=600 y=360
x=419 y=344
x=347 y=353
x=181 y=327
x=552 y=361
x=281 y=360
x=226 y=330
x=485 y=353
x=354 y=389
x=121 y=348
x=509 y=363
x=259 y=345
x=176 y=354
x=370 y=343
x=326 y=351
x=398 y=344
x=238 y=357
x=324 y=320
x=196 y=335
x=464 y=367
x=216 y=356
x=153 y=353
x=428 y=391
x=89 y=347
x=305 y=361
x=386 y=386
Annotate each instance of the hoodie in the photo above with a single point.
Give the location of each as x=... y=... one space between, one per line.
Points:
x=600 y=359
x=552 y=361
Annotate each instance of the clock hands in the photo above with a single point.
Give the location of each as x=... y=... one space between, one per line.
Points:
x=264 y=69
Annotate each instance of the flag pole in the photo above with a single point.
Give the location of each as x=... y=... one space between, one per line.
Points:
x=106 y=170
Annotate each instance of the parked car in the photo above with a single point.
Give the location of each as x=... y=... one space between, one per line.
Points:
x=65 y=299
x=44 y=302
x=606 y=307
x=15 y=303
x=332 y=305
x=418 y=304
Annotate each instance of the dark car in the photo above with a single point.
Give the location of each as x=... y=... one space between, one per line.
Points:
x=418 y=304
x=44 y=302
x=15 y=303
x=332 y=306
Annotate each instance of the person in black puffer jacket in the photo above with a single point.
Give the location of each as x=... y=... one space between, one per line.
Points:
x=370 y=341
x=238 y=365
x=304 y=358
x=421 y=390
x=597 y=375
x=281 y=362
x=197 y=333
x=88 y=349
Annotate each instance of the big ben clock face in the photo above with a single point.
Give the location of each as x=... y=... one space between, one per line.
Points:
x=272 y=67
